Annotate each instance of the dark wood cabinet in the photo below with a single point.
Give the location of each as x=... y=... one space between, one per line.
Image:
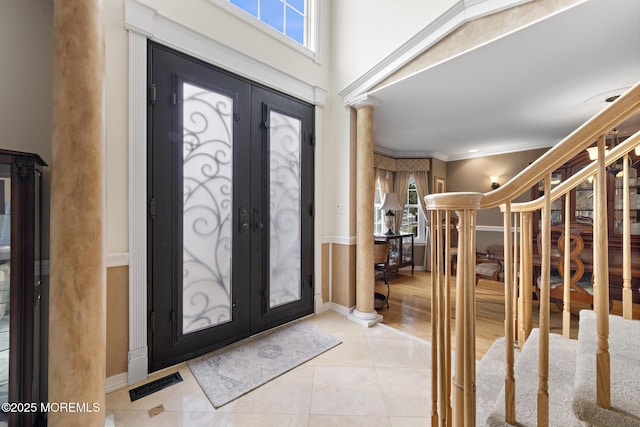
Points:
x=581 y=208
x=20 y=284
x=400 y=250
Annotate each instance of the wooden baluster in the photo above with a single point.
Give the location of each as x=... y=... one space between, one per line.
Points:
x=458 y=379
x=446 y=318
x=442 y=277
x=566 y=309
x=527 y=274
x=509 y=381
x=594 y=244
x=627 y=303
x=603 y=367
x=466 y=251
x=543 y=349
x=436 y=257
x=515 y=277
x=519 y=290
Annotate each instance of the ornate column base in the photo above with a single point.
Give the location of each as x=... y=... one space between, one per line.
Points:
x=365 y=319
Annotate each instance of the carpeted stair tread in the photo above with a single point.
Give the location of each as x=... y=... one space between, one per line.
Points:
x=490 y=372
x=562 y=356
x=624 y=350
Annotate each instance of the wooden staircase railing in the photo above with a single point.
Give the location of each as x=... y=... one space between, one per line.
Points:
x=453 y=398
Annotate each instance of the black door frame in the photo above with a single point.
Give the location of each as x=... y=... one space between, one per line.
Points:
x=256 y=134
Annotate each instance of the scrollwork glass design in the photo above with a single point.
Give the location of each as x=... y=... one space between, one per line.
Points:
x=207 y=208
x=284 y=204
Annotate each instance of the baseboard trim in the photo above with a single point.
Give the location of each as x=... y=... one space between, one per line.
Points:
x=116 y=382
x=345 y=311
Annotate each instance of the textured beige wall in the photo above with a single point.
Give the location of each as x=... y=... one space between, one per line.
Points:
x=418 y=255
x=473 y=175
x=325 y=263
x=438 y=170
x=353 y=182
x=479 y=32
x=343 y=274
x=117 y=320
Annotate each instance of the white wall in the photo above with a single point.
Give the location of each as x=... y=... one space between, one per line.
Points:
x=26 y=44
x=367 y=31
x=116 y=80
x=363 y=33
x=356 y=35
x=215 y=22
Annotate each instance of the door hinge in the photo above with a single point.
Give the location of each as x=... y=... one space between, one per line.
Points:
x=152 y=93
x=152 y=321
x=173 y=317
x=152 y=208
x=174 y=99
x=311 y=211
x=311 y=280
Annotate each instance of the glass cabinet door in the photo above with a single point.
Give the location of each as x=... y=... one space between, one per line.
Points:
x=556 y=205
x=634 y=203
x=5 y=283
x=20 y=232
x=407 y=248
x=394 y=251
x=584 y=202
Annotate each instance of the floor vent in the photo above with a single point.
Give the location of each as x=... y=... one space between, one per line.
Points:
x=153 y=386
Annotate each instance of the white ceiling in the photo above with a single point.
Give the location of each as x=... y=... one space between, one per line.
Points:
x=529 y=89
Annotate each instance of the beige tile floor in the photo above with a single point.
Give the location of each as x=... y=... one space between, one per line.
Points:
x=377 y=377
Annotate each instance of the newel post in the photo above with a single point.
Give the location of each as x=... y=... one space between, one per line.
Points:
x=463 y=383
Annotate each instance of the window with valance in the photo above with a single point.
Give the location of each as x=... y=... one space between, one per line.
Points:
x=409 y=179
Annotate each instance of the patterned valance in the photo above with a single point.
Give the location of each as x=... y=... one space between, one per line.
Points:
x=400 y=165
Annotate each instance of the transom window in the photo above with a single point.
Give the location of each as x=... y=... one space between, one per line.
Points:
x=289 y=17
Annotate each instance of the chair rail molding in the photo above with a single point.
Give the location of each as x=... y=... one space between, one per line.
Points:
x=117 y=259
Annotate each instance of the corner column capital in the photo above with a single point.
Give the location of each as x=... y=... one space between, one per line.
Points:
x=364 y=100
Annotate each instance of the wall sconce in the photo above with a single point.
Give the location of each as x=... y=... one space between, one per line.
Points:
x=390 y=204
x=494 y=182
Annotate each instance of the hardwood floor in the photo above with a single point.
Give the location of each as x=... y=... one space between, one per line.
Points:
x=410 y=309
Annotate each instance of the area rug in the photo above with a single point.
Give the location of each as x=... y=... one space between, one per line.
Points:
x=230 y=372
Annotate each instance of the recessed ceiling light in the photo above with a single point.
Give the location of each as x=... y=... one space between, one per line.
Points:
x=608 y=96
x=473 y=150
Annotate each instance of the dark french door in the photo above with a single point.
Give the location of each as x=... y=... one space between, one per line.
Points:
x=230 y=192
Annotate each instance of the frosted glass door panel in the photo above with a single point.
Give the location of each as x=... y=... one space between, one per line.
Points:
x=207 y=208
x=5 y=282
x=284 y=209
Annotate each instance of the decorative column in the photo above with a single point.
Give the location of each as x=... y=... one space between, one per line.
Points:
x=77 y=341
x=365 y=198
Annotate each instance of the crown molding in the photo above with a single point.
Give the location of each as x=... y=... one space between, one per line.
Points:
x=504 y=149
x=460 y=13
